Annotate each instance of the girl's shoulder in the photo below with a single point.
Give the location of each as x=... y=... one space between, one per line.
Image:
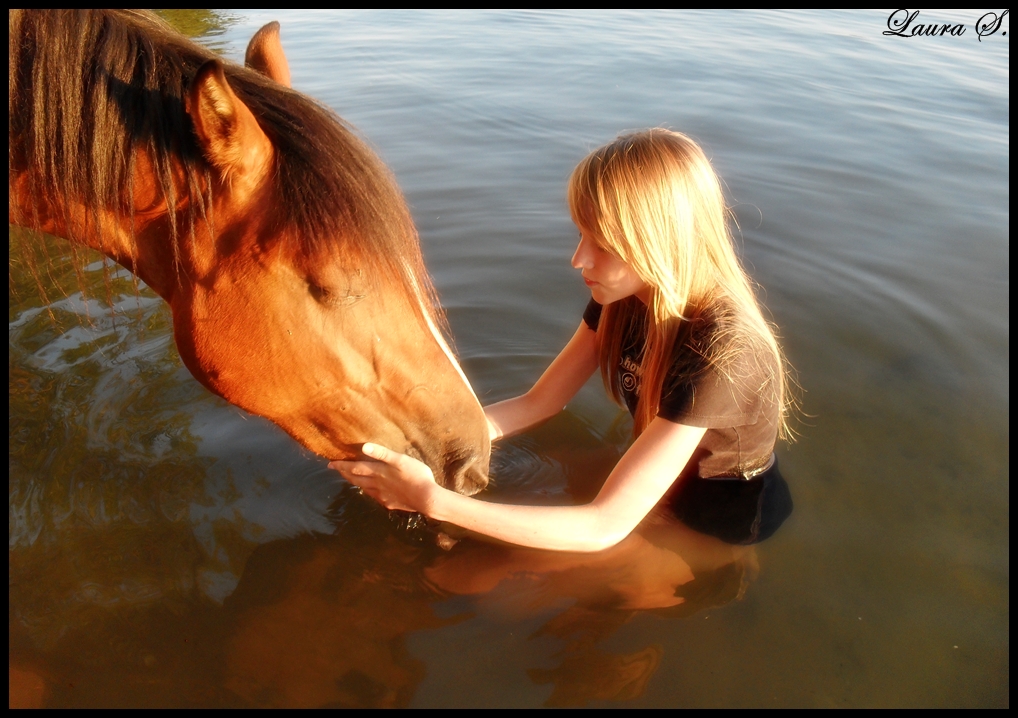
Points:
x=722 y=372
x=725 y=339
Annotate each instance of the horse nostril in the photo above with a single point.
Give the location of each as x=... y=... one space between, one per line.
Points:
x=463 y=475
x=473 y=480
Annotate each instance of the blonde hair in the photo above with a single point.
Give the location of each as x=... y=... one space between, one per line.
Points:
x=652 y=199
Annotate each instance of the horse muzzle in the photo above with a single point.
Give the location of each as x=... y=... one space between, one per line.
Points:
x=465 y=473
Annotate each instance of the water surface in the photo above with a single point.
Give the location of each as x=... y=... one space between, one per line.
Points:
x=168 y=549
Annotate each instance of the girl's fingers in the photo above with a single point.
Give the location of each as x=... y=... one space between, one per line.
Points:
x=361 y=477
x=371 y=477
x=403 y=466
x=376 y=493
x=354 y=468
x=343 y=467
x=380 y=453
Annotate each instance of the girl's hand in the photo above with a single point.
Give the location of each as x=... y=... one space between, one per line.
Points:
x=394 y=480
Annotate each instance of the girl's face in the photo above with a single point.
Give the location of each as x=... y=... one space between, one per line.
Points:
x=608 y=277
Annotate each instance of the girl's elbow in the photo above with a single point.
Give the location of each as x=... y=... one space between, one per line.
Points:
x=599 y=544
x=603 y=543
x=605 y=538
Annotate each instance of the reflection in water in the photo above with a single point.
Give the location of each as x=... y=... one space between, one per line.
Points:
x=317 y=623
x=103 y=471
x=125 y=533
x=663 y=567
x=128 y=540
x=321 y=621
x=26 y=688
x=206 y=25
x=137 y=502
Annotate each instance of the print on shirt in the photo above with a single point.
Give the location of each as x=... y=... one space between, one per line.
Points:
x=631 y=372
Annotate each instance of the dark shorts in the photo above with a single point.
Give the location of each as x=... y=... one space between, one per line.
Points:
x=737 y=511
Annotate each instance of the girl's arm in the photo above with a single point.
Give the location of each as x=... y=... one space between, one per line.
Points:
x=637 y=483
x=561 y=380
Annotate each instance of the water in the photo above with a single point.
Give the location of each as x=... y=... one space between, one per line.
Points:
x=167 y=549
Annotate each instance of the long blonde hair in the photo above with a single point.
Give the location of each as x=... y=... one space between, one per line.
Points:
x=653 y=200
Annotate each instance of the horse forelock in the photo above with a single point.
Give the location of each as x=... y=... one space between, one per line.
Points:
x=89 y=89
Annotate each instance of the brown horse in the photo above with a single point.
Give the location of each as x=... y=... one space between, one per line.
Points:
x=280 y=241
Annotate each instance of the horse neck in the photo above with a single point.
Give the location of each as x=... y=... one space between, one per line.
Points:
x=138 y=239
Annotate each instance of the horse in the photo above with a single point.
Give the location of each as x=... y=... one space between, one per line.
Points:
x=281 y=242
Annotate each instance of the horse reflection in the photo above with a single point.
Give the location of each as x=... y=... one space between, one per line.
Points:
x=316 y=621
x=318 y=624
x=282 y=244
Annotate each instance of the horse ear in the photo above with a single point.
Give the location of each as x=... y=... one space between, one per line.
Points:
x=228 y=133
x=265 y=54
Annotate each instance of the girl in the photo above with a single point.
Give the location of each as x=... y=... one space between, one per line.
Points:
x=679 y=337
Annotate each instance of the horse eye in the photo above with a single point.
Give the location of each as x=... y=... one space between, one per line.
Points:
x=328 y=298
x=321 y=294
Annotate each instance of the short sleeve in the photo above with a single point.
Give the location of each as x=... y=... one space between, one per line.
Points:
x=714 y=397
x=736 y=401
x=592 y=315
x=710 y=400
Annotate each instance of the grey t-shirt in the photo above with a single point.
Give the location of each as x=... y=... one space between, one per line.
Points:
x=737 y=406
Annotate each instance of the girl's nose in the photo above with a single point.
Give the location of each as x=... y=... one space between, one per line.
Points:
x=583 y=258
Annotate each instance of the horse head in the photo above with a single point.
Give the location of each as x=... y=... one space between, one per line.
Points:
x=282 y=244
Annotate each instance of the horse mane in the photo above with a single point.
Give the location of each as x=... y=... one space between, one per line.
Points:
x=88 y=89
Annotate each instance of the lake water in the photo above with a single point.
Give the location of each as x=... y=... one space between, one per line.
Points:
x=167 y=549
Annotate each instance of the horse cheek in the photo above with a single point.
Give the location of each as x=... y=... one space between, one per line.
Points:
x=192 y=343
